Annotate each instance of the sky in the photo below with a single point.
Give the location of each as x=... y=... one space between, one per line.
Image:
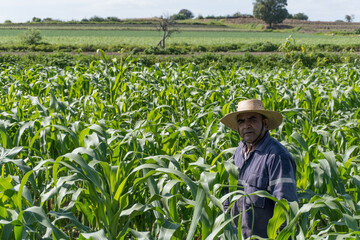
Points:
x=24 y=10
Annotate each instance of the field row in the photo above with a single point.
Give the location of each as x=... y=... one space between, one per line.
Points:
x=151 y=38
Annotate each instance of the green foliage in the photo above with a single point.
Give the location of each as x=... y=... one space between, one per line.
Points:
x=118 y=149
x=300 y=16
x=178 y=16
x=262 y=47
x=36 y=20
x=270 y=11
x=113 y=19
x=96 y=19
x=31 y=37
x=89 y=40
x=357 y=31
x=187 y=13
x=205 y=60
x=288 y=45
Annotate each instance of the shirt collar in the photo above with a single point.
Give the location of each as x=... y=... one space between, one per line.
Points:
x=261 y=145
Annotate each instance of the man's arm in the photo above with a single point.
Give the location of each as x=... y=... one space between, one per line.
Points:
x=282 y=177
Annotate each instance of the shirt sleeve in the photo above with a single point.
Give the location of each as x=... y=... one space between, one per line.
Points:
x=282 y=177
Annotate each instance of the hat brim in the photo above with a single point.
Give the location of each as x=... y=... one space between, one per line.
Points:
x=274 y=118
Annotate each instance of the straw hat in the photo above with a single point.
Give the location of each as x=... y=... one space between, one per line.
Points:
x=252 y=105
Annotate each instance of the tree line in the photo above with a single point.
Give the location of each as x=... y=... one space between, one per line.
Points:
x=271 y=11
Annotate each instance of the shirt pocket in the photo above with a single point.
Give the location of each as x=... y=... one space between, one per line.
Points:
x=256 y=182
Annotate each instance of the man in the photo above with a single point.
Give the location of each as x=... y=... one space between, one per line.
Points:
x=264 y=164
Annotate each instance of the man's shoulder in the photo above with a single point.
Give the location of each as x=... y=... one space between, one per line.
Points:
x=277 y=153
x=273 y=146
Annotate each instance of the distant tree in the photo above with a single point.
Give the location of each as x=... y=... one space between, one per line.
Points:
x=113 y=19
x=51 y=20
x=96 y=19
x=166 y=24
x=301 y=16
x=7 y=21
x=178 y=16
x=349 y=18
x=187 y=13
x=210 y=17
x=270 y=11
x=237 y=14
x=36 y=20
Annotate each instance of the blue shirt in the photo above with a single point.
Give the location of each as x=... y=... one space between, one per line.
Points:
x=269 y=167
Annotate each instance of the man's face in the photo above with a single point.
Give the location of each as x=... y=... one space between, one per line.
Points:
x=250 y=126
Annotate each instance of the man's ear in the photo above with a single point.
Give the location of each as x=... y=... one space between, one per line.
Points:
x=266 y=123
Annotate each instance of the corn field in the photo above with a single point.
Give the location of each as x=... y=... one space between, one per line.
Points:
x=117 y=150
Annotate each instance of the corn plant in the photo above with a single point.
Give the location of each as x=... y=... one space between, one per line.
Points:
x=117 y=150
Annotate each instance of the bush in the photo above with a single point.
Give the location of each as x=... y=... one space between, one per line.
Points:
x=264 y=47
x=31 y=37
x=357 y=31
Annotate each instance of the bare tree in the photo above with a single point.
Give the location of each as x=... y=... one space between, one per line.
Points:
x=167 y=26
x=349 y=18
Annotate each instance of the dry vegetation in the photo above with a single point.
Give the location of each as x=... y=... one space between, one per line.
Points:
x=203 y=24
x=305 y=26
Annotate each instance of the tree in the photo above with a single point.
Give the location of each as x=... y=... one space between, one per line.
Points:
x=113 y=19
x=270 y=11
x=349 y=18
x=187 y=13
x=96 y=19
x=301 y=16
x=179 y=16
x=167 y=26
x=237 y=14
x=36 y=19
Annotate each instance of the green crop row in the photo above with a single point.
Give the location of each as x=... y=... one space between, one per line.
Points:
x=116 y=149
x=180 y=43
x=286 y=60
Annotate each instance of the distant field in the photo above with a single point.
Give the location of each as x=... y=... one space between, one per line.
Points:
x=150 y=38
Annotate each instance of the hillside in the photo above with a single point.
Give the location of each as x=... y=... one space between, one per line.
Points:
x=302 y=25
x=216 y=24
